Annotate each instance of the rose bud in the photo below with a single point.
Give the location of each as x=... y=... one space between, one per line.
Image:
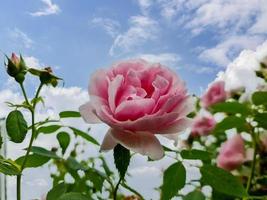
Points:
x=16 y=67
x=46 y=76
x=215 y=94
x=232 y=153
x=203 y=125
x=138 y=100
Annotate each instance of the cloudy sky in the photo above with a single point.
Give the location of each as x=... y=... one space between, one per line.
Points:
x=197 y=38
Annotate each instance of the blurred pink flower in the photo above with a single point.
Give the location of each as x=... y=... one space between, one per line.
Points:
x=232 y=153
x=203 y=125
x=137 y=100
x=215 y=94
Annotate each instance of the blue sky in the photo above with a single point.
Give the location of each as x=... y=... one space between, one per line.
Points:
x=195 y=38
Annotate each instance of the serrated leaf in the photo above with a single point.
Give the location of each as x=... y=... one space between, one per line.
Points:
x=174 y=179
x=9 y=167
x=63 y=140
x=195 y=195
x=231 y=108
x=16 y=126
x=48 y=129
x=84 y=135
x=67 y=114
x=261 y=118
x=122 y=159
x=73 y=196
x=33 y=160
x=222 y=181
x=196 y=154
x=56 y=192
x=43 y=152
x=259 y=98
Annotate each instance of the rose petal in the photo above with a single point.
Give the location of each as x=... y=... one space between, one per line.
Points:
x=144 y=143
x=113 y=90
x=88 y=113
x=134 y=109
x=177 y=126
x=99 y=84
x=108 y=142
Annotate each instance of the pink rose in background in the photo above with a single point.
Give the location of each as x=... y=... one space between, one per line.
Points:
x=215 y=94
x=203 y=125
x=232 y=153
x=138 y=100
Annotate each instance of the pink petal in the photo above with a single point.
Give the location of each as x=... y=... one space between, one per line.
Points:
x=134 y=109
x=144 y=143
x=108 y=142
x=113 y=90
x=177 y=126
x=88 y=113
x=99 y=84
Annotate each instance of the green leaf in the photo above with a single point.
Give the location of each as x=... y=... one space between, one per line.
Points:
x=122 y=159
x=64 y=140
x=259 y=98
x=222 y=181
x=43 y=152
x=196 y=154
x=231 y=108
x=56 y=192
x=16 y=126
x=33 y=160
x=261 y=118
x=74 y=164
x=231 y=122
x=84 y=135
x=9 y=167
x=73 y=196
x=48 y=129
x=174 y=179
x=66 y=114
x=195 y=195
x=96 y=177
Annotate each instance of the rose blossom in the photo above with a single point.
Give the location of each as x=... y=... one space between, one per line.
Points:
x=232 y=153
x=137 y=100
x=215 y=94
x=203 y=125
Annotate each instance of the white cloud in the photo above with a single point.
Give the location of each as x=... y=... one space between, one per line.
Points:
x=169 y=59
x=111 y=26
x=224 y=51
x=20 y=37
x=142 y=29
x=145 y=5
x=32 y=62
x=235 y=24
x=49 y=9
x=240 y=74
x=225 y=15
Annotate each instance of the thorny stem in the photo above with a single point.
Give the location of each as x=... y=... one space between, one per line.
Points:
x=32 y=110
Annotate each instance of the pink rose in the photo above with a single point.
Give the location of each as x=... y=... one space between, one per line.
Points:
x=232 y=153
x=203 y=125
x=137 y=100
x=215 y=94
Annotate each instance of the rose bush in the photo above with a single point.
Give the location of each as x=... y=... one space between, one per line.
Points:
x=137 y=100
